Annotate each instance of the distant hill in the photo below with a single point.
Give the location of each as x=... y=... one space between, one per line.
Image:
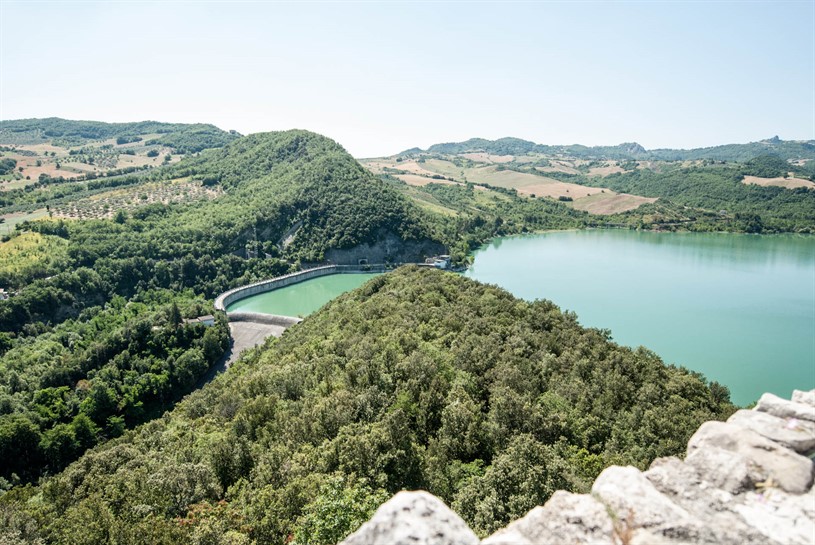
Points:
x=184 y=138
x=301 y=178
x=786 y=149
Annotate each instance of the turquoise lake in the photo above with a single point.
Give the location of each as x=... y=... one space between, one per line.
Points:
x=301 y=299
x=738 y=308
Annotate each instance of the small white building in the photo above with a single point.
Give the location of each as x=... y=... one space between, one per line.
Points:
x=208 y=320
x=439 y=261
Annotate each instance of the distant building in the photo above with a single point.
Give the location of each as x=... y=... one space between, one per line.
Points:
x=208 y=320
x=3 y=294
x=439 y=261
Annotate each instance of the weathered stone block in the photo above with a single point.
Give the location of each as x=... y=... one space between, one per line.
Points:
x=566 y=518
x=632 y=499
x=766 y=459
x=413 y=518
x=807 y=398
x=774 y=405
x=799 y=435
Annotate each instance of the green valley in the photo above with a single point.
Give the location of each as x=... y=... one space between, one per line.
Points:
x=417 y=379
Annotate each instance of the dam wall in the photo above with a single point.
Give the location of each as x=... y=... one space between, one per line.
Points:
x=228 y=297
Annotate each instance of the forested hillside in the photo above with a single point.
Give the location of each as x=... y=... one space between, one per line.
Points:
x=91 y=337
x=748 y=208
x=271 y=182
x=419 y=379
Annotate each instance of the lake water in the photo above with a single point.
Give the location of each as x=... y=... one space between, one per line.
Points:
x=301 y=299
x=738 y=308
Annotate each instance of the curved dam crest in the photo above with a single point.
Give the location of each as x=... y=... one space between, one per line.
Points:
x=251 y=327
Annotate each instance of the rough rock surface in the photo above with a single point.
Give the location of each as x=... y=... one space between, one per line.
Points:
x=799 y=435
x=789 y=470
x=774 y=405
x=744 y=482
x=413 y=518
x=566 y=518
x=388 y=248
x=807 y=398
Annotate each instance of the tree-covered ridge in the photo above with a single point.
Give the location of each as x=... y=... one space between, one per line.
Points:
x=786 y=149
x=282 y=179
x=518 y=146
x=89 y=379
x=184 y=138
x=419 y=379
x=272 y=182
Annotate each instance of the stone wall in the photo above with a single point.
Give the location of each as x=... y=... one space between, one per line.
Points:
x=229 y=297
x=744 y=481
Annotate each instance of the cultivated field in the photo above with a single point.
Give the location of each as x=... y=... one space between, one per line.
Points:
x=97 y=157
x=490 y=170
x=481 y=157
x=789 y=183
x=610 y=203
x=607 y=169
x=559 y=166
x=105 y=205
x=10 y=221
x=416 y=180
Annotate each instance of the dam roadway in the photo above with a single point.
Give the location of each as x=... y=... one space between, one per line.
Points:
x=250 y=329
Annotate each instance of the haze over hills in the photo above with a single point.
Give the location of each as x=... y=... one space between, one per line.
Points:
x=181 y=137
x=786 y=149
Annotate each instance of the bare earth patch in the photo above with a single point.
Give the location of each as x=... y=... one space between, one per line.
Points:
x=419 y=181
x=610 y=203
x=788 y=183
x=481 y=157
x=530 y=184
x=412 y=166
x=47 y=166
x=605 y=170
x=39 y=149
x=379 y=166
x=559 y=166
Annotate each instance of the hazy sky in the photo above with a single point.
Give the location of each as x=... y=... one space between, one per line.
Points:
x=380 y=77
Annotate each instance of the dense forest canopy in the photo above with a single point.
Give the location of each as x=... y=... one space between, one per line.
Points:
x=419 y=379
x=272 y=181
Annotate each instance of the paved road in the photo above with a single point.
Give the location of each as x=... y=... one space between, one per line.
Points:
x=244 y=335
